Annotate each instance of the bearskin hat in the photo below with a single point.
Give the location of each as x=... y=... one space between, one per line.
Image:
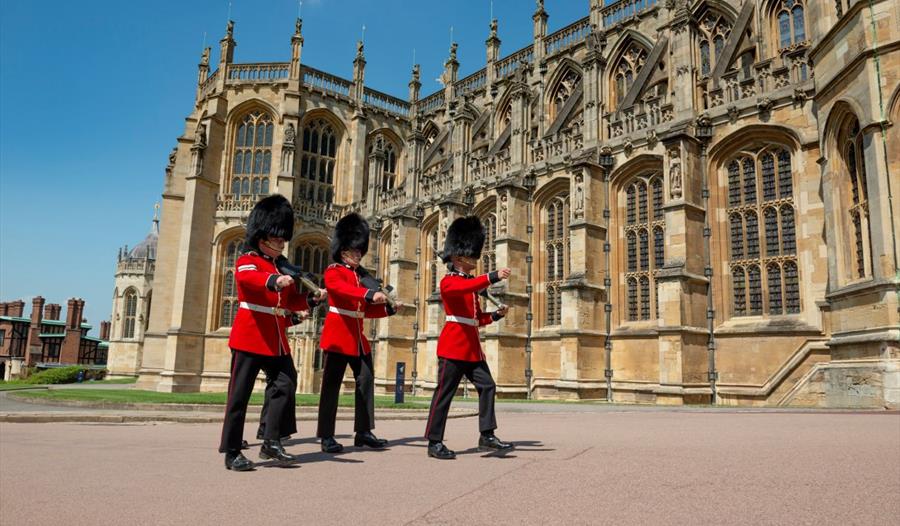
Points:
x=271 y=217
x=350 y=233
x=465 y=237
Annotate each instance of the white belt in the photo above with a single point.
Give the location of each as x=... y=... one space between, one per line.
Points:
x=465 y=321
x=275 y=311
x=345 y=312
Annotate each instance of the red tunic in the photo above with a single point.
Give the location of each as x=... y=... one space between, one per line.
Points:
x=264 y=312
x=460 y=339
x=343 y=332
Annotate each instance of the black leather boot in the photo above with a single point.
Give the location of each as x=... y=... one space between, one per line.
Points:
x=368 y=439
x=439 y=451
x=272 y=449
x=492 y=443
x=236 y=461
x=330 y=445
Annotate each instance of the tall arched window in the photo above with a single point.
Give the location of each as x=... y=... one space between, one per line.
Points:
x=556 y=255
x=431 y=256
x=130 y=313
x=229 y=302
x=645 y=240
x=252 y=156
x=713 y=30
x=626 y=69
x=317 y=161
x=313 y=258
x=762 y=233
x=389 y=175
x=855 y=163
x=488 y=254
x=564 y=89
x=790 y=21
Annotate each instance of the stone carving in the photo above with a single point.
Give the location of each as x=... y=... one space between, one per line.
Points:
x=290 y=134
x=200 y=135
x=395 y=239
x=764 y=105
x=675 y=177
x=503 y=214
x=578 y=209
x=204 y=58
x=171 y=166
x=287 y=150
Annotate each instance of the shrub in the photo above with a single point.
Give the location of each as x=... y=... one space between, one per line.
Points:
x=59 y=375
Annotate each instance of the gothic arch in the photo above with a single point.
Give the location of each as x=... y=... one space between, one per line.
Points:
x=840 y=111
x=626 y=59
x=761 y=133
x=249 y=105
x=227 y=234
x=562 y=79
x=721 y=6
x=637 y=165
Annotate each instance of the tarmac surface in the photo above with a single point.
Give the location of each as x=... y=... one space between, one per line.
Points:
x=573 y=465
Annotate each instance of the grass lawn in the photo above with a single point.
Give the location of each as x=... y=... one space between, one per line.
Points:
x=13 y=385
x=133 y=396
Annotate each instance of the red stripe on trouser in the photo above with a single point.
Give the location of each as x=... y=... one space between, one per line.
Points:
x=230 y=387
x=436 y=399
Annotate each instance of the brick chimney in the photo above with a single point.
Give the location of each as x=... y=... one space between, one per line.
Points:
x=34 y=344
x=104 y=330
x=68 y=352
x=16 y=308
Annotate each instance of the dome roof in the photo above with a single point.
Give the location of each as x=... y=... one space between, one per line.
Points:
x=147 y=247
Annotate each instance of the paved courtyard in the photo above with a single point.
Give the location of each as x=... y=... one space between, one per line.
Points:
x=605 y=466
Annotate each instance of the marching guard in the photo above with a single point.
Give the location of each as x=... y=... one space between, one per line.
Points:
x=343 y=341
x=459 y=347
x=267 y=299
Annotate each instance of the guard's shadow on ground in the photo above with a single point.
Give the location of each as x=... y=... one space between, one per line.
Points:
x=519 y=445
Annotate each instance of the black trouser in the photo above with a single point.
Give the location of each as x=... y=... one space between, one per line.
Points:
x=332 y=378
x=288 y=422
x=281 y=415
x=450 y=372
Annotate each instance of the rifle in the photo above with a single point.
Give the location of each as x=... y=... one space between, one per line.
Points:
x=372 y=283
x=300 y=278
x=491 y=298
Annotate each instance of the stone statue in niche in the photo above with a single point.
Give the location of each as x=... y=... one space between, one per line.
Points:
x=502 y=215
x=675 y=176
x=200 y=135
x=290 y=134
x=578 y=209
x=445 y=222
x=395 y=240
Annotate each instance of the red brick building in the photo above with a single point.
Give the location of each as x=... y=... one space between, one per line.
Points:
x=43 y=338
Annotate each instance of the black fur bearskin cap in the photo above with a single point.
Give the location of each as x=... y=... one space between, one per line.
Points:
x=271 y=217
x=465 y=237
x=351 y=232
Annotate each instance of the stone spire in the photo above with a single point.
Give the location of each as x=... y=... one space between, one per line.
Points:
x=296 y=49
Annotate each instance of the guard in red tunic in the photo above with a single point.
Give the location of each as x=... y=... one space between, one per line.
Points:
x=267 y=299
x=343 y=339
x=459 y=346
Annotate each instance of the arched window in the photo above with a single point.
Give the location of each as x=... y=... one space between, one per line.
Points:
x=564 y=89
x=252 y=160
x=389 y=175
x=488 y=253
x=626 y=69
x=790 y=22
x=855 y=163
x=229 y=303
x=645 y=244
x=317 y=161
x=556 y=254
x=771 y=246
x=130 y=313
x=713 y=30
x=313 y=258
x=431 y=253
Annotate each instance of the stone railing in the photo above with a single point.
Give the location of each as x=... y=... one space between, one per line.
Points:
x=568 y=36
x=385 y=102
x=136 y=266
x=489 y=167
x=209 y=85
x=263 y=72
x=624 y=9
x=319 y=212
x=766 y=77
x=647 y=114
x=556 y=145
x=432 y=102
x=507 y=66
x=436 y=184
x=473 y=82
x=233 y=203
x=391 y=198
x=325 y=82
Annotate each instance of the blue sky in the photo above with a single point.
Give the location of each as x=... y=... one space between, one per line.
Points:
x=93 y=95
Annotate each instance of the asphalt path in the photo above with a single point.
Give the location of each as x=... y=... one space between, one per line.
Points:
x=610 y=466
